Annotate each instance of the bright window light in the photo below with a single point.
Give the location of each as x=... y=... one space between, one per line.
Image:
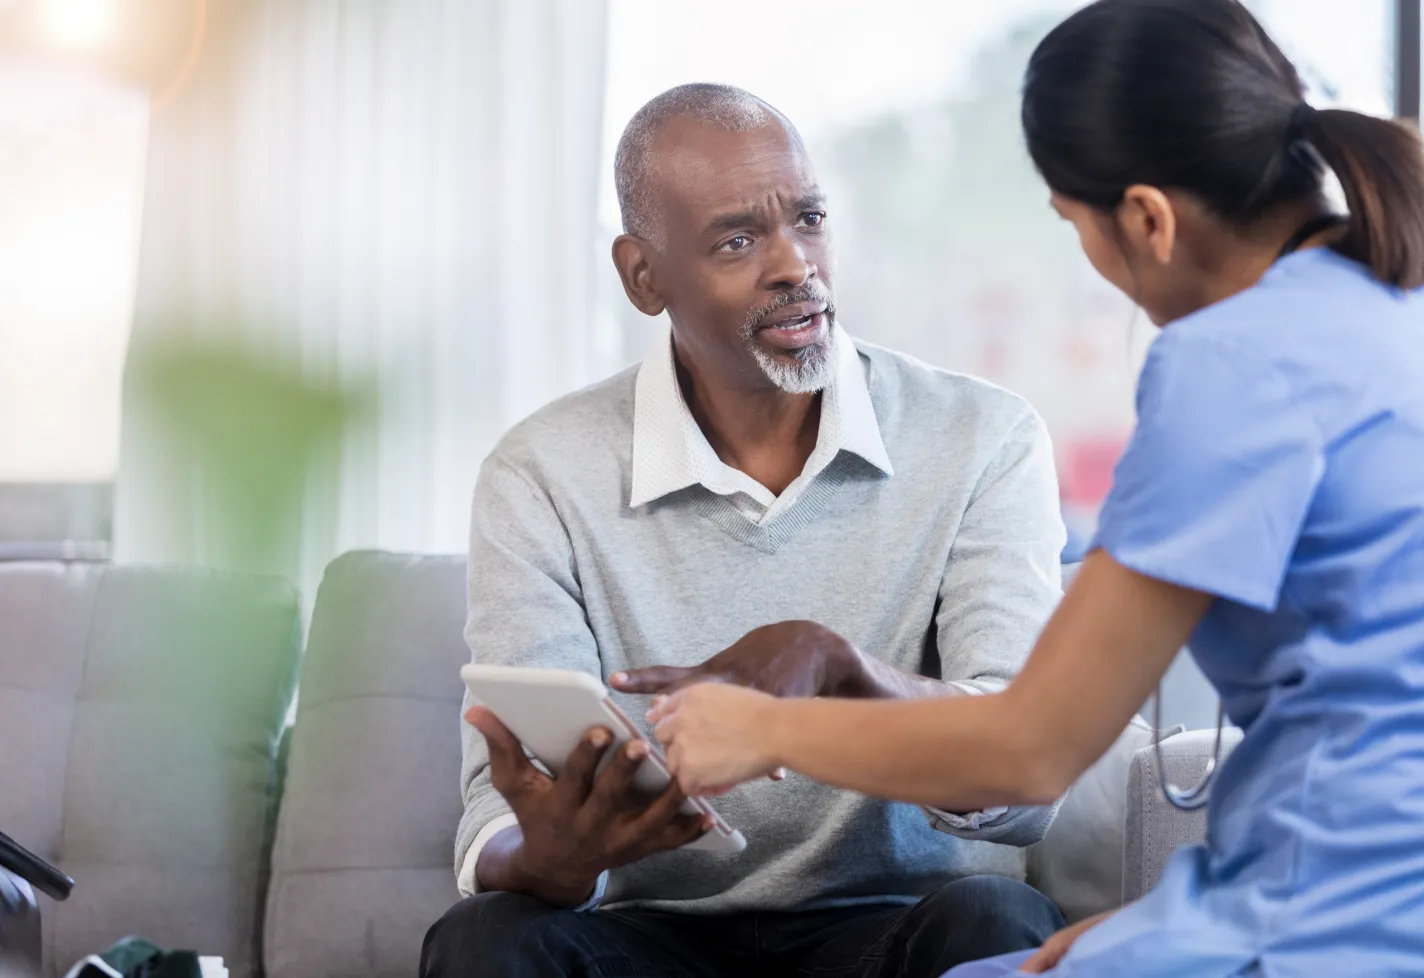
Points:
x=71 y=190
x=77 y=23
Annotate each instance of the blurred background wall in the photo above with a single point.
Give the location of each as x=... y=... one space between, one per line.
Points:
x=398 y=193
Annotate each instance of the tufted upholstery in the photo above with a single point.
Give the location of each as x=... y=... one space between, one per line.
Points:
x=1154 y=828
x=140 y=714
x=365 y=847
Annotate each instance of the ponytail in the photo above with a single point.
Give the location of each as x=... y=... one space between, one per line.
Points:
x=1194 y=95
x=1380 y=165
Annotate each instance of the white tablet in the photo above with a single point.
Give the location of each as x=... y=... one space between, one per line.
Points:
x=550 y=710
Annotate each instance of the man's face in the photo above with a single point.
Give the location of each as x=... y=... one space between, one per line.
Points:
x=744 y=266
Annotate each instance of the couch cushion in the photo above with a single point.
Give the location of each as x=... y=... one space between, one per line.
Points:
x=361 y=867
x=140 y=712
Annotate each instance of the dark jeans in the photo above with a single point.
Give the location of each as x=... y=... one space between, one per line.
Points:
x=506 y=935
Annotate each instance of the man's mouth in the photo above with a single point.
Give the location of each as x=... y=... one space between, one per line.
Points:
x=796 y=328
x=799 y=323
x=794 y=317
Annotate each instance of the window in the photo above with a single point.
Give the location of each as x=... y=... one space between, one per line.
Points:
x=948 y=250
x=71 y=184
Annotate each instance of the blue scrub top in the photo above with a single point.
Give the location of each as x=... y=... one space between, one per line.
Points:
x=1278 y=464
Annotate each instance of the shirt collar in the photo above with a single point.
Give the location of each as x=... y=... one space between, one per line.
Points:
x=670 y=452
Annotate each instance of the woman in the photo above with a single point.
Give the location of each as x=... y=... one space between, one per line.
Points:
x=1269 y=506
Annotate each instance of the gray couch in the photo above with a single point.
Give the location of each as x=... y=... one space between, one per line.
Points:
x=144 y=748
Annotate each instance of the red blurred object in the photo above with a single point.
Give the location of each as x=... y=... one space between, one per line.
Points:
x=1086 y=472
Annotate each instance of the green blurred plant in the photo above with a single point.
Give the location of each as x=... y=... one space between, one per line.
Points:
x=255 y=438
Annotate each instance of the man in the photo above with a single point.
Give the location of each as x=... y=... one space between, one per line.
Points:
x=694 y=519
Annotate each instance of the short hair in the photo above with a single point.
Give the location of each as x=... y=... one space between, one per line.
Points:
x=723 y=106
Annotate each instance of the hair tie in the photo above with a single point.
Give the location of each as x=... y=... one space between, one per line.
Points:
x=1299 y=148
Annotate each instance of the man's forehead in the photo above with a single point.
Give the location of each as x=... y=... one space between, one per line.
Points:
x=699 y=164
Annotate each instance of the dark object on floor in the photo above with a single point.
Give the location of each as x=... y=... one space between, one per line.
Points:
x=134 y=957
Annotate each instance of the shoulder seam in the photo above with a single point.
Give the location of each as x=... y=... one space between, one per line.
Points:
x=1259 y=356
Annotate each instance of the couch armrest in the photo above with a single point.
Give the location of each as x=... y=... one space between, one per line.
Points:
x=1154 y=828
x=19 y=924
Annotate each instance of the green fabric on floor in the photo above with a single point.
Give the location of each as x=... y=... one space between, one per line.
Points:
x=134 y=957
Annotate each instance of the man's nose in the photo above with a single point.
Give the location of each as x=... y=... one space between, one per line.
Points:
x=789 y=265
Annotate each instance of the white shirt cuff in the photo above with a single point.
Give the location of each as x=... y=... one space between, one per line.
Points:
x=973 y=821
x=966 y=688
x=468 y=881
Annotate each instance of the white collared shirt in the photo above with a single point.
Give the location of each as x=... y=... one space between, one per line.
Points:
x=670 y=452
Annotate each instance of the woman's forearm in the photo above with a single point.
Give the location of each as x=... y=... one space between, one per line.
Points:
x=958 y=753
x=1107 y=645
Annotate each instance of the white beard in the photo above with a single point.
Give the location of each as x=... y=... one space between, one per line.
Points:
x=801 y=376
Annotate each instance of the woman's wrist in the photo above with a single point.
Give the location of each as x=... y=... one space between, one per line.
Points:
x=779 y=724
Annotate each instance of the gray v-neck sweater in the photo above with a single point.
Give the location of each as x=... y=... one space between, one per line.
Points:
x=948 y=568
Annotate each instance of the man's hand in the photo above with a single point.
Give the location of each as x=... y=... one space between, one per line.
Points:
x=788 y=659
x=575 y=826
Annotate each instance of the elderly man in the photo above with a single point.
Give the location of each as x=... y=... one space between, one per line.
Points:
x=758 y=483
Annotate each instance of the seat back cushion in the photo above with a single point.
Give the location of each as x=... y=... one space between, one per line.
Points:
x=1156 y=828
x=140 y=714
x=363 y=859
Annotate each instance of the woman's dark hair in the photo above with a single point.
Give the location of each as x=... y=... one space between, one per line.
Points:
x=1194 y=95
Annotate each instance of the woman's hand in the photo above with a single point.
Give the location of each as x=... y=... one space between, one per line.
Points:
x=716 y=736
x=1053 y=949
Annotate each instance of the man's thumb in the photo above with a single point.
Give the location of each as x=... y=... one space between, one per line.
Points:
x=489 y=725
x=655 y=679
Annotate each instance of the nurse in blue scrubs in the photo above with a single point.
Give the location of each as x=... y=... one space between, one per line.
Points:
x=1269 y=507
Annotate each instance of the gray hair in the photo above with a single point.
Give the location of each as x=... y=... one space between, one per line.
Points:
x=723 y=106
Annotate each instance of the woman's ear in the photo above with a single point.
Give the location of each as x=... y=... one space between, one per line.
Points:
x=1148 y=222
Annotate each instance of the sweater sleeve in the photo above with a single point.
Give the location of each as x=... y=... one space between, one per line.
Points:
x=1000 y=585
x=525 y=609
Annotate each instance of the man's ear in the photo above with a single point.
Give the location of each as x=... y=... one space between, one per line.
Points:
x=632 y=256
x=1149 y=222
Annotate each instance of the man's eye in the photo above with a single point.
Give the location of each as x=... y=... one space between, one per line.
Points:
x=738 y=243
x=813 y=219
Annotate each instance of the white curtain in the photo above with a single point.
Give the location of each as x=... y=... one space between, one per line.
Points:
x=398 y=189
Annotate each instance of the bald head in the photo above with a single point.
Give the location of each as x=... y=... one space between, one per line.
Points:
x=726 y=232
x=722 y=107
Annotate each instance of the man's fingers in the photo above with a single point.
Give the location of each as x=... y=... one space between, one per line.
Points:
x=656 y=679
x=504 y=747
x=581 y=769
x=498 y=735
x=661 y=811
x=510 y=768
x=684 y=829
x=610 y=792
